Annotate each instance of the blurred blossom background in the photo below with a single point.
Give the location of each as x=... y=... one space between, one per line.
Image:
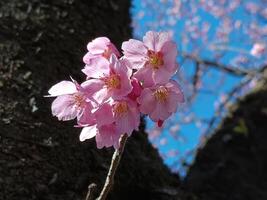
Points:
x=222 y=50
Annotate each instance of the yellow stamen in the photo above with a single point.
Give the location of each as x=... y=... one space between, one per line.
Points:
x=79 y=100
x=120 y=108
x=113 y=82
x=161 y=94
x=155 y=59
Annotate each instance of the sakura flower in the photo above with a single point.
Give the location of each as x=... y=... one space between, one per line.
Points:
x=72 y=101
x=160 y=101
x=113 y=120
x=257 y=49
x=124 y=113
x=112 y=80
x=154 y=58
x=100 y=48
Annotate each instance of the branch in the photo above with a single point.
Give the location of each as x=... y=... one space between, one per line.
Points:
x=229 y=69
x=112 y=170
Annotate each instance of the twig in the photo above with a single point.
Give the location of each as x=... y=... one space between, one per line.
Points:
x=229 y=69
x=112 y=170
x=91 y=191
x=113 y=167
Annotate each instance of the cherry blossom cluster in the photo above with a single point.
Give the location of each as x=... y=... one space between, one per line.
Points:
x=119 y=88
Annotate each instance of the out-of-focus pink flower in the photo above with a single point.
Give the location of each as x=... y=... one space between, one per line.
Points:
x=257 y=49
x=159 y=102
x=154 y=58
x=72 y=101
x=100 y=48
x=112 y=80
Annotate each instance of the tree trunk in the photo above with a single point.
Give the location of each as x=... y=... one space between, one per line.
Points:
x=41 y=43
x=233 y=162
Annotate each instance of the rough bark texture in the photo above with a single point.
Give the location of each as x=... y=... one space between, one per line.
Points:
x=41 y=43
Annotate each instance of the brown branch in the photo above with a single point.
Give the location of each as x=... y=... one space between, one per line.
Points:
x=112 y=170
x=229 y=69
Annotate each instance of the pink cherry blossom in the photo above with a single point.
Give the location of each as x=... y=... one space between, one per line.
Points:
x=100 y=48
x=257 y=49
x=109 y=103
x=154 y=58
x=72 y=101
x=112 y=80
x=124 y=113
x=160 y=101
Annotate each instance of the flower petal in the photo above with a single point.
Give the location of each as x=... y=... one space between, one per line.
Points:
x=135 y=52
x=88 y=133
x=98 y=45
x=64 y=108
x=147 y=101
x=62 y=88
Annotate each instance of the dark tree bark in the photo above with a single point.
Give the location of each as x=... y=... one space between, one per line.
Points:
x=41 y=43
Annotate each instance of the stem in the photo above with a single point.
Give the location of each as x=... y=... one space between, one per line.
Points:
x=113 y=167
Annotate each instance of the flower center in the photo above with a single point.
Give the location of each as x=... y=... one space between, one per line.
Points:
x=155 y=59
x=79 y=99
x=161 y=94
x=120 y=108
x=113 y=82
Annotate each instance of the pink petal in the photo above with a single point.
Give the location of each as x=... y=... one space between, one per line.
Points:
x=107 y=137
x=172 y=102
x=169 y=51
x=98 y=66
x=104 y=115
x=98 y=45
x=91 y=86
x=129 y=121
x=151 y=39
x=147 y=101
x=102 y=95
x=88 y=133
x=144 y=75
x=86 y=117
x=62 y=88
x=163 y=38
x=175 y=87
x=161 y=76
x=160 y=112
x=135 y=52
x=64 y=108
x=155 y=40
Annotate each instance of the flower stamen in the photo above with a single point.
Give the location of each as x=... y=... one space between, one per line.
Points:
x=113 y=82
x=120 y=108
x=161 y=94
x=155 y=59
x=79 y=100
